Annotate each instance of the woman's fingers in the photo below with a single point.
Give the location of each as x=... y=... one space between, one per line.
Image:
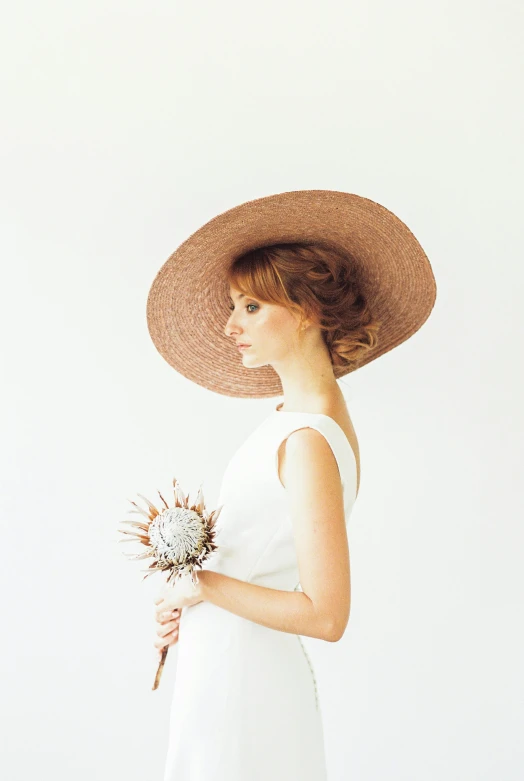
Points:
x=168 y=631
x=168 y=615
x=170 y=639
x=165 y=629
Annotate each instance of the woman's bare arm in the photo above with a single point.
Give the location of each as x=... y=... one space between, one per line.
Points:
x=314 y=493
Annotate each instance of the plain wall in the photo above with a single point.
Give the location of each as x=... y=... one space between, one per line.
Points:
x=125 y=127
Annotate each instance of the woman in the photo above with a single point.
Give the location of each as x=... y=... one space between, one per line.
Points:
x=305 y=310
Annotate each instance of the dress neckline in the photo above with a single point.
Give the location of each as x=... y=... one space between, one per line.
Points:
x=278 y=411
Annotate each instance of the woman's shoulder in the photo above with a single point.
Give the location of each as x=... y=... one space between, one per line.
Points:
x=339 y=413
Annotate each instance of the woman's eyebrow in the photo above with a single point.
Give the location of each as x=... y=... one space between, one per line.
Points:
x=241 y=295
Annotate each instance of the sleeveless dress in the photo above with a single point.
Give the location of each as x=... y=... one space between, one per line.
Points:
x=245 y=702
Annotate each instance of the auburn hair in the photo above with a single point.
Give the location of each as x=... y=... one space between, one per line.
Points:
x=319 y=283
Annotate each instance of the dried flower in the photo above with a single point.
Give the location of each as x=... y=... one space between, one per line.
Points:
x=179 y=538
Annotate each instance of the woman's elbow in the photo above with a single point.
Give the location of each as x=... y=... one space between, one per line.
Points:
x=335 y=629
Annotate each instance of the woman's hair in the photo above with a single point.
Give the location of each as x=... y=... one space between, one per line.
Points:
x=319 y=283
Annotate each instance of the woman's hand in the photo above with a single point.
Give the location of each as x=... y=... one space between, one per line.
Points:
x=167 y=630
x=177 y=594
x=170 y=601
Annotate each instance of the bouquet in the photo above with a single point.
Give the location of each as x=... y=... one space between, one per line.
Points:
x=178 y=538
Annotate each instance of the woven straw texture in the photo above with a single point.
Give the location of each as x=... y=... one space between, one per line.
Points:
x=188 y=305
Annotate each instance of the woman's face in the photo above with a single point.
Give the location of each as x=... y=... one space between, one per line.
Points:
x=270 y=330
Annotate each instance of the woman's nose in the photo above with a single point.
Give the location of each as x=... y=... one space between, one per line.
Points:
x=231 y=327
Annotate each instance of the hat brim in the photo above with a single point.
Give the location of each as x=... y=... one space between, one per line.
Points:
x=188 y=303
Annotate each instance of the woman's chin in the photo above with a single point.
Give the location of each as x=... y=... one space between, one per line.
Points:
x=250 y=362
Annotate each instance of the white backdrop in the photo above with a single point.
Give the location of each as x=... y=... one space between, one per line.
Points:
x=125 y=127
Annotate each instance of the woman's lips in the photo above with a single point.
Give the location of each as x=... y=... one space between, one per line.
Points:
x=243 y=346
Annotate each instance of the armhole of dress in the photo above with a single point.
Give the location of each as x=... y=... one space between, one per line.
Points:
x=316 y=427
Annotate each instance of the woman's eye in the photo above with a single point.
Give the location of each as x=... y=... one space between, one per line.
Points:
x=232 y=306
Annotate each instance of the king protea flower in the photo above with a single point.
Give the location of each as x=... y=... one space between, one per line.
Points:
x=178 y=538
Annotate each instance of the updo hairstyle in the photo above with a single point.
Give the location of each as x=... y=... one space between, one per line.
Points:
x=318 y=282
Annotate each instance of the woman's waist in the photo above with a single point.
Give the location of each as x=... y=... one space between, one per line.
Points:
x=206 y=629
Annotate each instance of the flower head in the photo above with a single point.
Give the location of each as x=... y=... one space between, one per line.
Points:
x=178 y=538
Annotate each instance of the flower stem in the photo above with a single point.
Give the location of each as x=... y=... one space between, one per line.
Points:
x=160 y=667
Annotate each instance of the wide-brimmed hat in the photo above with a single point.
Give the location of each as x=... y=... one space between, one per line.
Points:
x=188 y=303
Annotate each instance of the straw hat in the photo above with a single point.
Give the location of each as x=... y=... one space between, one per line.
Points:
x=188 y=303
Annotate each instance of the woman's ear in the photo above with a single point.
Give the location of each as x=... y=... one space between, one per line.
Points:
x=305 y=323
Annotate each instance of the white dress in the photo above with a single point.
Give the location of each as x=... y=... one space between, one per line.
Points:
x=245 y=701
